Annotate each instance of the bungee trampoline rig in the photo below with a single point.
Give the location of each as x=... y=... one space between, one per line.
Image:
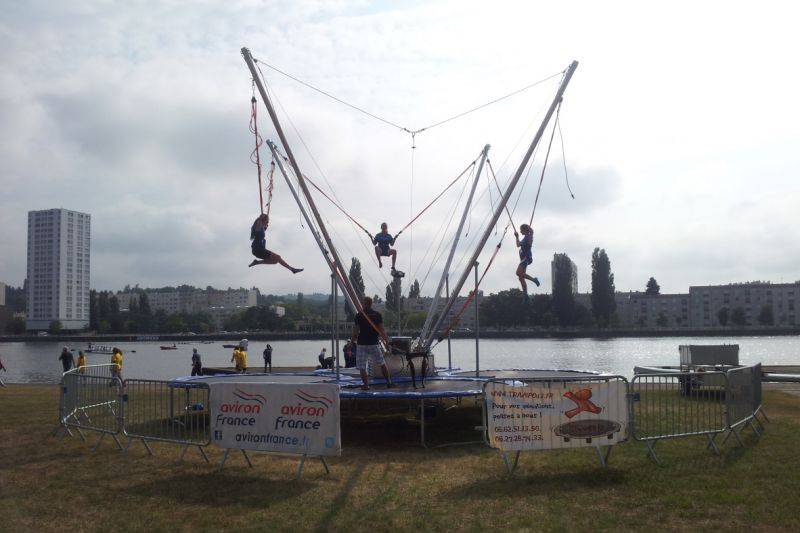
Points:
x=515 y=409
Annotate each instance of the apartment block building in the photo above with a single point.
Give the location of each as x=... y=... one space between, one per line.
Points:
x=59 y=249
x=219 y=304
x=750 y=298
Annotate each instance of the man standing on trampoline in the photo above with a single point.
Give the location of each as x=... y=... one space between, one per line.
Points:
x=367 y=333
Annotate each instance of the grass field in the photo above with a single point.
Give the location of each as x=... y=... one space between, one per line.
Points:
x=47 y=484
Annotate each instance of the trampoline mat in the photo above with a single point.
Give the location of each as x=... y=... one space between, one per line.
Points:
x=434 y=388
x=528 y=374
x=255 y=378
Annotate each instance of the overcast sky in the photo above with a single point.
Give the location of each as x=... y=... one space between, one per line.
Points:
x=680 y=131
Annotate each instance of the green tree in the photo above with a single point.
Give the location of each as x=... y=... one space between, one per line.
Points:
x=55 y=327
x=722 y=316
x=738 y=317
x=563 y=306
x=413 y=292
x=603 y=303
x=93 y=316
x=357 y=281
x=392 y=303
x=652 y=286
x=766 y=317
x=16 y=326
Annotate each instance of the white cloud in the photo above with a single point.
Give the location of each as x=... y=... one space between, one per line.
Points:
x=680 y=129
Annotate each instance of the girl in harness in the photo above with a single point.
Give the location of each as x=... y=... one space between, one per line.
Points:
x=525 y=257
x=259 y=246
x=383 y=242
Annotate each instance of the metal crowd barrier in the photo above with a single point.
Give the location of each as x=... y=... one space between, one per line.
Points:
x=685 y=404
x=560 y=384
x=90 y=401
x=678 y=404
x=166 y=411
x=743 y=400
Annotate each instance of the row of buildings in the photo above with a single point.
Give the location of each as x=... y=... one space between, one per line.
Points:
x=706 y=306
x=59 y=266
x=218 y=304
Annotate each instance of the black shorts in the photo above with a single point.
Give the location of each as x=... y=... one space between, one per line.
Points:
x=262 y=253
x=384 y=250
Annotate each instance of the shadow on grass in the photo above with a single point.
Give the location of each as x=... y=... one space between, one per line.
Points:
x=541 y=483
x=340 y=501
x=219 y=489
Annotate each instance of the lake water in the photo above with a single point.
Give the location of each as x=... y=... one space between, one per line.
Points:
x=38 y=362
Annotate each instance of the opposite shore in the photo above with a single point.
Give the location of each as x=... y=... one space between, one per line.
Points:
x=549 y=333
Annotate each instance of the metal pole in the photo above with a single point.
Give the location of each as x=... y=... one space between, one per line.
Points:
x=333 y=323
x=502 y=202
x=477 y=328
x=449 y=350
x=337 y=264
x=398 y=301
x=336 y=329
x=446 y=270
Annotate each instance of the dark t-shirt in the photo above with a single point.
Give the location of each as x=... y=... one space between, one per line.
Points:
x=260 y=241
x=366 y=333
x=525 y=247
x=268 y=354
x=67 y=361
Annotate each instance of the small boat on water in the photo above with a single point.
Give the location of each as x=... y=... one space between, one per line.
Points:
x=99 y=348
x=173 y=347
x=230 y=345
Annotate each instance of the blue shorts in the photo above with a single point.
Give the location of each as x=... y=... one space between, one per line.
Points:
x=384 y=248
x=525 y=262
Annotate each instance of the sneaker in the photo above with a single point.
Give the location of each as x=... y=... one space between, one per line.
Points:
x=536 y=281
x=296 y=270
x=254 y=263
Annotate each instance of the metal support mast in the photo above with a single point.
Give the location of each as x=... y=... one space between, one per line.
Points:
x=426 y=342
x=336 y=264
x=446 y=271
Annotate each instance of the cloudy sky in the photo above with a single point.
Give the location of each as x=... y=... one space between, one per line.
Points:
x=680 y=131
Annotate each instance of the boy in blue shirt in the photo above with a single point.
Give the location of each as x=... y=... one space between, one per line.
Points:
x=525 y=257
x=383 y=242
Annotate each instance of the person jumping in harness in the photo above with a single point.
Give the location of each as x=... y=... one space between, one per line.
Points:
x=259 y=247
x=383 y=242
x=525 y=257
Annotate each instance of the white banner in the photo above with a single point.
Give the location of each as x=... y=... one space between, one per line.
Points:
x=276 y=417
x=546 y=415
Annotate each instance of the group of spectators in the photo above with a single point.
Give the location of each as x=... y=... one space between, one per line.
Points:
x=68 y=361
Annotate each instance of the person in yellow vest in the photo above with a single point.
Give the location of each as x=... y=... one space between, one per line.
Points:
x=236 y=359
x=81 y=361
x=116 y=360
x=243 y=356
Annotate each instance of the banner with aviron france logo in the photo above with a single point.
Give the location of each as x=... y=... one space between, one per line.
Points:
x=276 y=417
x=546 y=415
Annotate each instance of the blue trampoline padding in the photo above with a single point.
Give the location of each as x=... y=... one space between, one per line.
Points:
x=526 y=373
x=438 y=387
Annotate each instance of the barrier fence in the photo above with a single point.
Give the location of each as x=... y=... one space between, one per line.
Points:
x=90 y=401
x=649 y=408
x=546 y=413
x=744 y=399
x=679 y=404
x=166 y=411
